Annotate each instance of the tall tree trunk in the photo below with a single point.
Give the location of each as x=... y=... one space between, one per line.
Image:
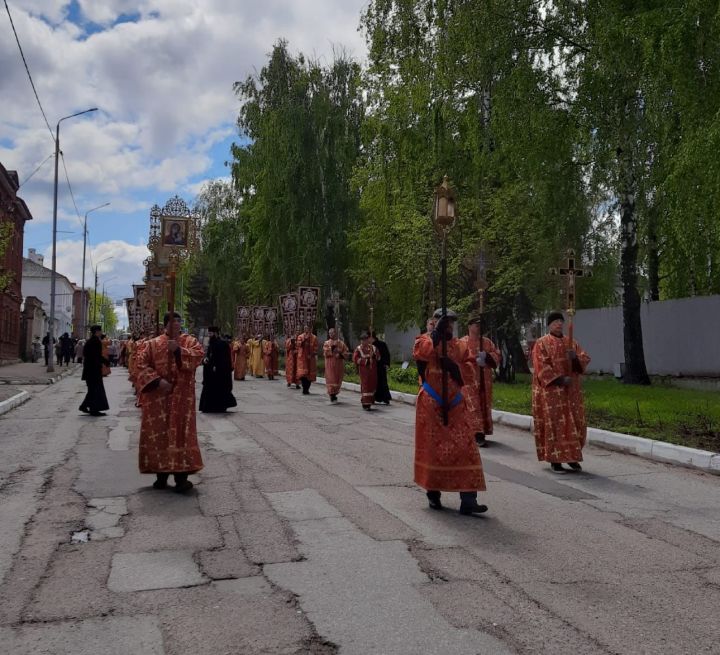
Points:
x=653 y=256
x=635 y=370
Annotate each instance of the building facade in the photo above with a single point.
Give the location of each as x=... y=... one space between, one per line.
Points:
x=13 y=214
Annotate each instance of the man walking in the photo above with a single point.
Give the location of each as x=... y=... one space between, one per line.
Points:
x=366 y=358
x=95 y=401
x=335 y=352
x=307 y=346
x=382 y=391
x=166 y=381
x=217 y=382
x=446 y=457
x=557 y=402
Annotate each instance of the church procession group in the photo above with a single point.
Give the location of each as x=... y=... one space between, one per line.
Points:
x=453 y=406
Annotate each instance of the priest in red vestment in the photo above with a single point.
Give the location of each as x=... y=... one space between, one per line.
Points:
x=478 y=377
x=307 y=347
x=240 y=353
x=335 y=352
x=366 y=358
x=291 y=362
x=270 y=356
x=557 y=400
x=446 y=456
x=165 y=377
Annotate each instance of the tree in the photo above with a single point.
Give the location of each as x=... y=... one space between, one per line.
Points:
x=102 y=311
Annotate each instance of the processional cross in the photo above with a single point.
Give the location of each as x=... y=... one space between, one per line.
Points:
x=570 y=272
x=371 y=292
x=336 y=301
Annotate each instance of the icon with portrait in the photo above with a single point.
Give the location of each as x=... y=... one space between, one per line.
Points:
x=174 y=232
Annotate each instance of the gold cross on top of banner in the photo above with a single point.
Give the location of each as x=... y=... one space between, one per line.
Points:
x=570 y=271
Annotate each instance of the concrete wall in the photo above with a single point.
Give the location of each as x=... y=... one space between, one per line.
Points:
x=680 y=337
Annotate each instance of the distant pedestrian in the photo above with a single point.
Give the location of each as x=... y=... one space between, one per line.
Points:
x=95 y=402
x=291 y=361
x=67 y=348
x=382 y=392
x=240 y=353
x=335 y=352
x=270 y=350
x=79 y=350
x=558 y=408
x=37 y=349
x=166 y=381
x=366 y=358
x=47 y=347
x=307 y=349
x=217 y=381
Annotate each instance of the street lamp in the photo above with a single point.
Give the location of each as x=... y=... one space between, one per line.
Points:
x=82 y=285
x=95 y=289
x=51 y=336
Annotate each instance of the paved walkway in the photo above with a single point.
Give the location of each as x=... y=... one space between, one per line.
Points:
x=34 y=373
x=306 y=534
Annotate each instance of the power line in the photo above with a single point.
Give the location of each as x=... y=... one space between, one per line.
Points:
x=27 y=69
x=72 y=195
x=29 y=177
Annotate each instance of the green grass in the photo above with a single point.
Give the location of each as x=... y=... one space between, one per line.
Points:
x=687 y=417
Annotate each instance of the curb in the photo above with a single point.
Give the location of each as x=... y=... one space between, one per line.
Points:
x=658 y=451
x=13 y=402
x=52 y=380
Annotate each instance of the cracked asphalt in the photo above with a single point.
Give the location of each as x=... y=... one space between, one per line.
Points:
x=306 y=534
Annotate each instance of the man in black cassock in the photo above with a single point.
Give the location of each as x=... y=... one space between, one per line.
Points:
x=95 y=402
x=217 y=393
x=382 y=391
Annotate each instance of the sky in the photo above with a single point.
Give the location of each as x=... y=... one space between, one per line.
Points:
x=161 y=73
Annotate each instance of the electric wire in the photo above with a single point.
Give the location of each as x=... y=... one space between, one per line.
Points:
x=29 y=177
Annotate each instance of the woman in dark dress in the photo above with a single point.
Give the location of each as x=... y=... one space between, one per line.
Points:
x=95 y=402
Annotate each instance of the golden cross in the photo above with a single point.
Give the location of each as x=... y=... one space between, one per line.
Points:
x=571 y=271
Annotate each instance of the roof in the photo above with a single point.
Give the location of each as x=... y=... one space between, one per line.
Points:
x=31 y=269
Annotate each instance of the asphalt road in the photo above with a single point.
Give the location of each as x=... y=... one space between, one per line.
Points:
x=306 y=534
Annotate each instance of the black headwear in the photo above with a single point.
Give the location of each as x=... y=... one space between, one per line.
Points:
x=214 y=328
x=555 y=316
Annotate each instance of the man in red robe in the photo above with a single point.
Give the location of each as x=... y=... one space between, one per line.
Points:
x=446 y=456
x=366 y=358
x=307 y=347
x=557 y=401
x=270 y=350
x=335 y=352
x=478 y=377
x=240 y=352
x=165 y=378
x=291 y=362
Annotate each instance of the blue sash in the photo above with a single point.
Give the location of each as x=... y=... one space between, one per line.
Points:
x=436 y=396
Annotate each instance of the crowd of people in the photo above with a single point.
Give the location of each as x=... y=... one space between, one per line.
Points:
x=453 y=406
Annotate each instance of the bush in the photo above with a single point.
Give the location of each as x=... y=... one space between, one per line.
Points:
x=407 y=375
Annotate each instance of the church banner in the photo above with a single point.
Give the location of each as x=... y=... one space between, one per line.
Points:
x=308 y=303
x=242 y=320
x=289 y=309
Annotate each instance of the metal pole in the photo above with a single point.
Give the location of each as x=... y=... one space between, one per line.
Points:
x=51 y=337
x=95 y=298
x=84 y=299
x=443 y=292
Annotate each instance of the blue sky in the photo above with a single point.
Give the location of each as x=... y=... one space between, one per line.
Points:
x=161 y=73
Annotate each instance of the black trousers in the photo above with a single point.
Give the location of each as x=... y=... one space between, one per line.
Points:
x=466 y=497
x=305 y=384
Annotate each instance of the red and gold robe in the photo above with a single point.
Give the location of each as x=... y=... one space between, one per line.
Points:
x=106 y=355
x=307 y=346
x=168 y=433
x=446 y=456
x=291 y=361
x=240 y=353
x=255 y=357
x=558 y=412
x=477 y=391
x=366 y=359
x=335 y=352
x=270 y=349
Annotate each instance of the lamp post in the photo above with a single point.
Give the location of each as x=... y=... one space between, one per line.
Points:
x=51 y=336
x=95 y=288
x=444 y=220
x=82 y=285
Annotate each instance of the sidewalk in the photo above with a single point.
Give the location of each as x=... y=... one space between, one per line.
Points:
x=29 y=373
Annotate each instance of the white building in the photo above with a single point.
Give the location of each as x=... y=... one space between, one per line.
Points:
x=36 y=282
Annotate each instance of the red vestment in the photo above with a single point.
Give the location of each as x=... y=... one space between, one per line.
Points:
x=477 y=391
x=366 y=359
x=307 y=345
x=290 y=361
x=168 y=433
x=270 y=350
x=335 y=352
x=446 y=456
x=240 y=352
x=558 y=411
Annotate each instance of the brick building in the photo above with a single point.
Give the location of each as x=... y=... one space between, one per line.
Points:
x=13 y=213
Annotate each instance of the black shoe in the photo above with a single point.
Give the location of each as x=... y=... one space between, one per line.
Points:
x=288 y=385
x=575 y=466
x=297 y=386
x=333 y=398
x=468 y=510
x=434 y=500
x=98 y=414
x=480 y=440
x=162 y=480
x=557 y=468
x=84 y=410
x=366 y=407
x=306 y=392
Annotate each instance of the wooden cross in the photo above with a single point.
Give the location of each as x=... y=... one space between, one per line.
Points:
x=570 y=271
x=336 y=301
x=371 y=293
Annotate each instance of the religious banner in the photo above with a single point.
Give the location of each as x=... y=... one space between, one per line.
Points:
x=308 y=302
x=130 y=308
x=289 y=309
x=270 y=321
x=242 y=320
x=258 y=320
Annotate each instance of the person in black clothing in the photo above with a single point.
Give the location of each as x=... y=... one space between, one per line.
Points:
x=382 y=391
x=66 y=348
x=95 y=402
x=217 y=393
x=46 y=347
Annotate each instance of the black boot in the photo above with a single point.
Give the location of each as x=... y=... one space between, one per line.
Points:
x=161 y=482
x=182 y=483
x=434 y=499
x=480 y=440
x=557 y=468
x=575 y=466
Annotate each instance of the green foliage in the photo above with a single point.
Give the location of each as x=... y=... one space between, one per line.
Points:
x=102 y=312
x=6 y=233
